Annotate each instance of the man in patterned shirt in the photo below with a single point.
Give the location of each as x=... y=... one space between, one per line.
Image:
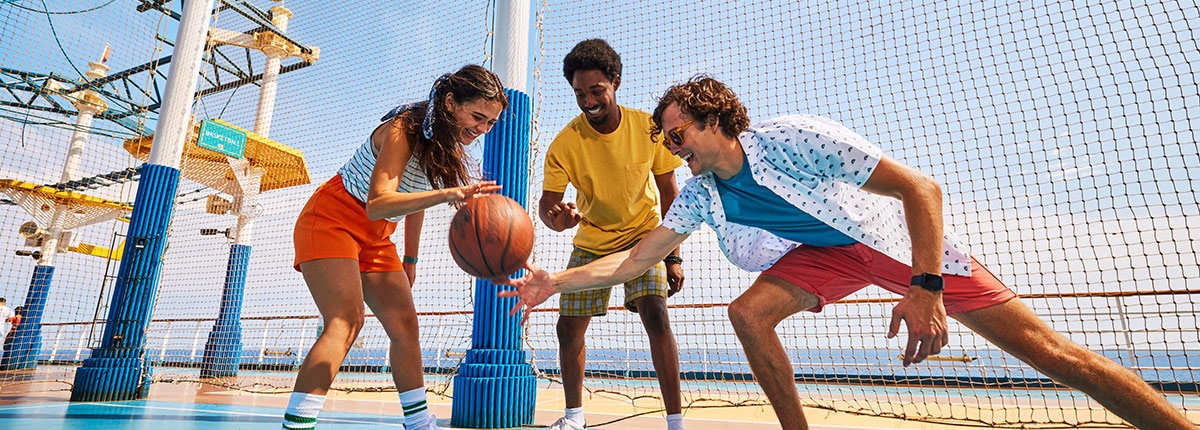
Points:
x=822 y=213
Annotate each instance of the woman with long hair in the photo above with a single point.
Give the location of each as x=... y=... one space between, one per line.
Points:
x=412 y=161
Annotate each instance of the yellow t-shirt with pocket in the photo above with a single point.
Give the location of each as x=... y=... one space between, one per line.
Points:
x=613 y=175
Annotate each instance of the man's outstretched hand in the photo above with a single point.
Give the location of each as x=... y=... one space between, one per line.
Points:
x=530 y=290
x=925 y=316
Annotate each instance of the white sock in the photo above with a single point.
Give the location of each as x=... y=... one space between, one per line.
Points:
x=675 y=422
x=575 y=415
x=416 y=410
x=302 y=411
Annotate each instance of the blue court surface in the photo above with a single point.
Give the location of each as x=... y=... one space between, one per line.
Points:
x=32 y=403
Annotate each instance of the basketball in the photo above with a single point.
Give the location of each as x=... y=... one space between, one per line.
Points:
x=491 y=236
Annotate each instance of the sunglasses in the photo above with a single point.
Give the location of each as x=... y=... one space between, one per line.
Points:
x=675 y=136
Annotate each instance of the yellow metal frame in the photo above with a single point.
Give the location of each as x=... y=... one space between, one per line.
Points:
x=284 y=166
x=41 y=201
x=54 y=196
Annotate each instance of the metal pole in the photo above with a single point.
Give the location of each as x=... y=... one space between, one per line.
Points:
x=511 y=58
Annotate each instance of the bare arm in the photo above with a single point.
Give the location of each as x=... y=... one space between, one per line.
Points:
x=538 y=285
x=667 y=191
x=622 y=266
x=383 y=201
x=412 y=242
x=921 y=196
x=921 y=309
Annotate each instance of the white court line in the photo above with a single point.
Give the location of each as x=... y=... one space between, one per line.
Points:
x=323 y=419
x=37 y=406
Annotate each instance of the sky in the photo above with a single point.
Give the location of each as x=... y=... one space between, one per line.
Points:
x=1061 y=133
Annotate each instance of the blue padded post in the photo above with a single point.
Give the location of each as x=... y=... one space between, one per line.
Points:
x=23 y=345
x=223 y=352
x=117 y=370
x=495 y=386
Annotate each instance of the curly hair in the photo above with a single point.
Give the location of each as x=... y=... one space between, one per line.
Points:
x=592 y=54
x=706 y=100
x=442 y=157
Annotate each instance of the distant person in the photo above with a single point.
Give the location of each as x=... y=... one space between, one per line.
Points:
x=607 y=154
x=15 y=319
x=414 y=160
x=6 y=319
x=822 y=213
x=18 y=313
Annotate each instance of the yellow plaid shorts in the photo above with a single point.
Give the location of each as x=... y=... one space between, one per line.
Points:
x=595 y=302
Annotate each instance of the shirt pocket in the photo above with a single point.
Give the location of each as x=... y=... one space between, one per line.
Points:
x=619 y=196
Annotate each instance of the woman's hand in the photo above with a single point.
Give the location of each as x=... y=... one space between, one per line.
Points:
x=410 y=270
x=458 y=195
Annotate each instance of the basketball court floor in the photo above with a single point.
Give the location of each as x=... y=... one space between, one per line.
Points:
x=37 y=405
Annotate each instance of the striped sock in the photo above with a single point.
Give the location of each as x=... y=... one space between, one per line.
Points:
x=416 y=410
x=302 y=411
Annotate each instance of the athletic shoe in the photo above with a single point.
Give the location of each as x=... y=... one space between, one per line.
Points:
x=564 y=424
x=431 y=424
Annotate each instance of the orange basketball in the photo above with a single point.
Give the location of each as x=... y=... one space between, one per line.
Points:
x=491 y=236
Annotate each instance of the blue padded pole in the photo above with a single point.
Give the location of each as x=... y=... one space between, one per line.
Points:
x=24 y=344
x=117 y=370
x=495 y=386
x=223 y=352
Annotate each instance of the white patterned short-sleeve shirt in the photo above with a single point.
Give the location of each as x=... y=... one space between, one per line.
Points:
x=819 y=166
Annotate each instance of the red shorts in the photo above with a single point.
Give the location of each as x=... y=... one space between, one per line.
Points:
x=832 y=273
x=334 y=224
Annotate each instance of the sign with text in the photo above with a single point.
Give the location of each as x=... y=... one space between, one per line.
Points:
x=222 y=138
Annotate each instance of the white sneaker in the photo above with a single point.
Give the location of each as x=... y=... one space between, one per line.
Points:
x=564 y=424
x=431 y=424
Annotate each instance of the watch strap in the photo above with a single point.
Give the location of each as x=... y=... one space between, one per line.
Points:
x=929 y=282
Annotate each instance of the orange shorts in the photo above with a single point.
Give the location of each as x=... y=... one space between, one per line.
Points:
x=334 y=224
x=834 y=272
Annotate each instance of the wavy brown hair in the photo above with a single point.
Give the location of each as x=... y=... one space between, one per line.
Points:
x=706 y=100
x=442 y=157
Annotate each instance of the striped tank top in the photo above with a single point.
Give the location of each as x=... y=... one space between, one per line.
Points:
x=356 y=175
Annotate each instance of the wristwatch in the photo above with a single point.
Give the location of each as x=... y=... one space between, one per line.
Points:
x=929 y=282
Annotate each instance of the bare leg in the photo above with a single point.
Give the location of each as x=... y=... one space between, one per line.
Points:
x=1016 y=329
x=572 y=357
x=754 y=316
x=390 y=298
x=663 y=350
x=337 y=291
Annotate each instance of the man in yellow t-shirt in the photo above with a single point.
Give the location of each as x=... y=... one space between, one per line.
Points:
x=607 y=154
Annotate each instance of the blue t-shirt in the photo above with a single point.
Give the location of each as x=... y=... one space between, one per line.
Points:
x=748 y=203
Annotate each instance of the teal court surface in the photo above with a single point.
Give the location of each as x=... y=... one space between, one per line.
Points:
x=184 y=405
